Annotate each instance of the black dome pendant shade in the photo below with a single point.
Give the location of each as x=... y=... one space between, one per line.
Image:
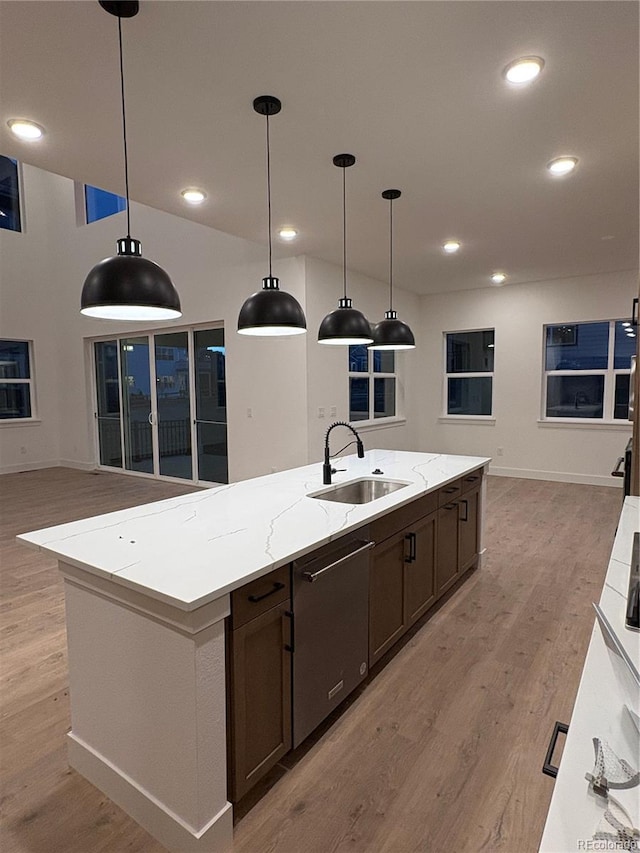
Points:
x=391 y=333
x=270 y=311
x=345 y=325
x=128 y=286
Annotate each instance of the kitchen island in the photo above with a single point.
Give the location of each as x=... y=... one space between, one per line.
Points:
x=147 y=592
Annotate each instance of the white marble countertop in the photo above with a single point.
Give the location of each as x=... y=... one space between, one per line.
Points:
x=575 y=810
x=190 y=550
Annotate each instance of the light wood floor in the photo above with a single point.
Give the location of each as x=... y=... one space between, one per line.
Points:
x=443 y=750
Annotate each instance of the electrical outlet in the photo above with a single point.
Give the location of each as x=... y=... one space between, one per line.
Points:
x=334 y=411
x=249 y=413
x=23 y=450
x=500 y=451
x=320 y=411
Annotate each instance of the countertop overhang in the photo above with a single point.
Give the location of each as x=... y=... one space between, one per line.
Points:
x=191 y=550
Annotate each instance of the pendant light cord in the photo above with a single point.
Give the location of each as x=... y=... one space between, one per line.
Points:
x=124 y=128
x=344 y=230
x=269 y=192
x=391 y=254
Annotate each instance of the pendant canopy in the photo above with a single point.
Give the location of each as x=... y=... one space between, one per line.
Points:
x=271 y=311
x=127 y=286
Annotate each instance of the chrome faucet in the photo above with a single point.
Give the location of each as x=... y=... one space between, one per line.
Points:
x=327 y=470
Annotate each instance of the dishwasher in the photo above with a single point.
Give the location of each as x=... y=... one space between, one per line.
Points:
x=331 y=628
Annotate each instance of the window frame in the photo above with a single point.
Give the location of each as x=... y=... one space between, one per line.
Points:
x=30 y=381
x=446 y=415
x=610 y=373
x=21 y=209
x=370 y=375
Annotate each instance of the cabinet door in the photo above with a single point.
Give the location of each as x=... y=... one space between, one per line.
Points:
x=419 y=571
x=386 y=595
x=260 y=697
x=447 y=548
x=468 y=516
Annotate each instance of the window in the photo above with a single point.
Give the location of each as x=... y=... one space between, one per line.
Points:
x=469 y=373
x=372 y=384
x=9 y=195
x=16 y=380
x=587 y=369
x=99 y=203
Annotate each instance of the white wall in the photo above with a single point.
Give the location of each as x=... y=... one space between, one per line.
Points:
x=327 y=366
x=40 y=284
x=518 y=312
x=285 y=381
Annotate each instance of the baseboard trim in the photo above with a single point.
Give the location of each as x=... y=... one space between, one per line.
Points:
x=28 y=466
x=81 y=466
x=557 y=476
x=172 y=832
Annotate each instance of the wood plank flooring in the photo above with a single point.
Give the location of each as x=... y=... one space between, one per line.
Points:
x=443 y=749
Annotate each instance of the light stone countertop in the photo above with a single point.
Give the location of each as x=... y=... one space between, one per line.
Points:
x=575 y=810
x=191 y=550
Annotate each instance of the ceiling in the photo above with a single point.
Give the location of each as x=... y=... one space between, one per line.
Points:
x=413 y=89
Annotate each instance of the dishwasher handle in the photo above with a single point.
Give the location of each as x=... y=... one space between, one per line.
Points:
x=313 y=576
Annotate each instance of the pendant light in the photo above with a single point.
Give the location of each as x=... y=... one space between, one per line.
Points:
x=270 y=311
x=391 y=333
x=345 y=325
x=128 y=286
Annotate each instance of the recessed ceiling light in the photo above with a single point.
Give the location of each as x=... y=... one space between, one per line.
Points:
x=626 y=324
x=451 y=247
x=562 y=165
x=193 y=195
x=288 y=233
x=631 y=334
x=25 y=129
x=524 y=70
x=498 y=278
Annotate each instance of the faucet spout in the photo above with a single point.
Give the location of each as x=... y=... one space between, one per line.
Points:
x=326 y=467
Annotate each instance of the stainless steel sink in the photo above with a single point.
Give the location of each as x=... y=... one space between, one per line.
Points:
x=359 y=491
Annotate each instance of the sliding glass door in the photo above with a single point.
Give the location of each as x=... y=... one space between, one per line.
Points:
x=211 y=405
x=159 y=396
x=173 y=404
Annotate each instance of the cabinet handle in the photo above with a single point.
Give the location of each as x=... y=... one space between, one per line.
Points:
x=548 y=767
x=313 y=576
x=291 y=646
x=451 y=490
x=471 y=479
x=466 y=509
x=449 y=506
x=634 y=312
x=254 y=599
x=411 y=537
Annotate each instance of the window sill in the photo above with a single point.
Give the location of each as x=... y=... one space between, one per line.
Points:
x=380 y=423
x=585 y=423
x=487 y=420
x=19 y=422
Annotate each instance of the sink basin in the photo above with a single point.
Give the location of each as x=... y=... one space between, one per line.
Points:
x=359 y=491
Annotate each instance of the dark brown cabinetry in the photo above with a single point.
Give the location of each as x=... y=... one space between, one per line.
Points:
x=401 y=578
x=259 y=679
x=421 y=550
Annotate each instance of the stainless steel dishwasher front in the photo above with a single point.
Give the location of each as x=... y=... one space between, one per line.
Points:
x=331 y=628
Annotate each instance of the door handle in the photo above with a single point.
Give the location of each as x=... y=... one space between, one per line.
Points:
x=616 y=471
x=466 y=509
x=291 y=645
x=411 y=538
x=254 y=599
x=150 y=418
x=313 y=576
x=548 y=767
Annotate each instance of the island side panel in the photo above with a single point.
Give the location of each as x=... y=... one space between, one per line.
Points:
x=148 y=716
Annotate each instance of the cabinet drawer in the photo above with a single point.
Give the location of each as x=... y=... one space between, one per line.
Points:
x=260 y=595
x=471 y=480
x=397 y=520
x=449 y=492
